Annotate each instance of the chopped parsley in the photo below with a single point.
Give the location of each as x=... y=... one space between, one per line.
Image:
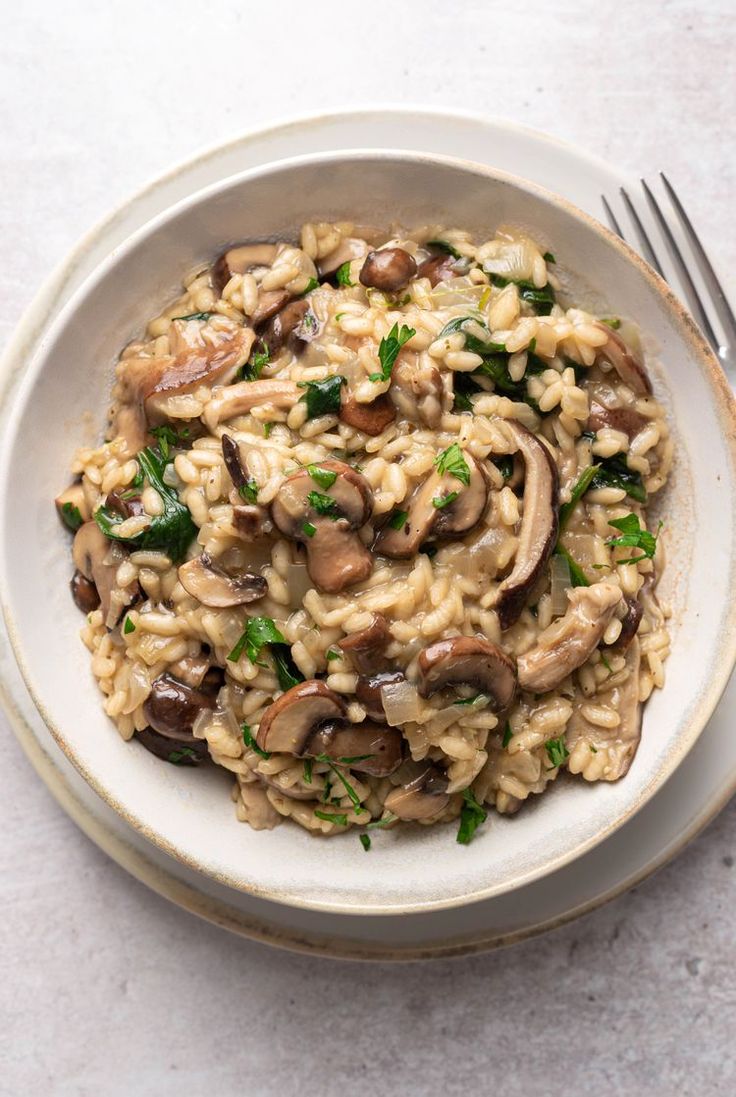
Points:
x=261 y=632
x=577 y=575
x=557 y=751
x=324 y=477
x=606 y=664
x=461 y=401
x=465 y=702
x=352 y=794
x=249 y=490
x=322 y=397
x=441 y=501
x=379 y=823
x=71 y=516
x=311 y=284
x=613 y=472
x=250 y=741
x=308 y=771
x=340 y=819
x=398 y=519
x=476 y=344
x=611 y=322
x=332 y=655
x=388 y=350
x=308 y=529
x=633 y=535
x=196 y=316
x=507 y=735
x=452 y=461
x=541 y=298
x=325 y=505
x=128 y=627
x=172 y=531
x=471 y=817
x=549 y=257
x=178 y=756
x=287 y=671
x=342 y=275
x=583 y=483
x=168 y=438
x=267 y=428
x=253 y=368
x=365 y=841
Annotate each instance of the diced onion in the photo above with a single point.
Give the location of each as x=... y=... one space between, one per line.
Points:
x=560 y=576
x=401 y=703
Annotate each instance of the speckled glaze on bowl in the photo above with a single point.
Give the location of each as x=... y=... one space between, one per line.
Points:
x=188 y=813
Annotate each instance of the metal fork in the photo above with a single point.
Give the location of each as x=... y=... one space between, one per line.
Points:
x=724 y=346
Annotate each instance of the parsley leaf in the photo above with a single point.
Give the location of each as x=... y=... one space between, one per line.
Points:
x=332 y=655
x=172 y=531
x=379 y=823
x=507 y=735
x=253 y=368
x=477 y=344
x=613 y=472
x=352 y=794
x=474 y=700
x=577 y=575
x=179 y=755
x=322 y=397
x=471 y=817
x=441 y=501
x=250 y=741
x=634 y=535
x=451 y=461
x=557 y=751
x=324 y=477
x=398 y=519
x=340 y=819
x=365 y=841
x=611 y=322
x=323 y=504
x=267 y=428
x=258 y=632
x=541 y=298
x=308 y=771
x=128 y=627
x=309 y=529
x=249 y=490
x=388 y=350
x=549 y=257
x=71 y=516
x=167 y=438
x=287 y=671
x=311 y=284
x=196 y=316
x=583 y=483
x=342 y=275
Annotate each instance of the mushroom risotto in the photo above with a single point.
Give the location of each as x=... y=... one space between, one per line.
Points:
x=370 y=531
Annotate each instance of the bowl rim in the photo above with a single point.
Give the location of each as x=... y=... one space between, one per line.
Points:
x=686 y=330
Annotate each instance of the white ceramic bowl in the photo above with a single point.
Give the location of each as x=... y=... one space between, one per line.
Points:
x=61 y=403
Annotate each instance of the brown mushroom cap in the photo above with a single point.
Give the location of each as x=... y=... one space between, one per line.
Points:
x=438 y=268
x=270 y=302
x=210 y=585
x=539 y=524
x=289 y=325
x=421 y=796
x=84 y=593
x=288 y=725
x=473 y=661
x=368 y=691
x=388 y=269
x=180 y=752
x=566 y=644
x=376 y=748
x=626 y=364
x=366 y=647
x=336 y=557
x=91 y=553
x=239 y=260
x=371 y=418
x=626 y=420
x=630 y=622
x=424 y=518
x=348 y=249
x=172 y=706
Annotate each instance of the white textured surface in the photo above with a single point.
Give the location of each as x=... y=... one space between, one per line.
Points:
x=104 y=987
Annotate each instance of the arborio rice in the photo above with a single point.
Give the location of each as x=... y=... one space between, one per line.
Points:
x=369 y=531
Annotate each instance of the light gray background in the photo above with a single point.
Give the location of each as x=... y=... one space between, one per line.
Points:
x=105 y=989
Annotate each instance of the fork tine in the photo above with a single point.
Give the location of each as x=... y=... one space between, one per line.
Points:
x=720 y=302
x=646 y=244
x=612 y=218
x=690 y=291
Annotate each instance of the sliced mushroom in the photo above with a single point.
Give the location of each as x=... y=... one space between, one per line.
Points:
x=288 y=725
x=568 y=642
x=417 y=390
x=368 y=691
x=371 y=418
x=626 y=364
x=438 y=268
x=422 y=796
x=127 y=506
x=239 y=260
x=539 y=523
x=180 y=752
x=611 y=750
x=623 y=419
x=366 y=647
x=234 y=462
x=372 y=748
x=348 y=249
x=210 y=585
x=424 y=517
x=629 y=622
x=472 y=661
x=93 y=557
x=192 y=670
x=172 y=706
x=72 y=507
x=336 y=557
x=84 y=593
x=146 y=384
x=270 y=302
x=388 y=269
x=251 y=522
x=295 y=325
x=242 y=397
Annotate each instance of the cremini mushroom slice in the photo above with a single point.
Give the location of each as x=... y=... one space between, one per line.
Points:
x=180 y=752
x=539 y=523
x=373 y=748
x=210 y=585
x=439 y=268
x=368 y=691
x=367 y=646
x=568 y=642
x=627 y=365
x=472 y=661
x=97 y=559
x=348 y=249
x=84 y=593
x=371 y=418
x=172 y=707
x=427 y=514
x=610 y=750
x=270 y=302
x=326 y=521
x=626 y=420
x=629 y=622
x=388 y=269
x=242 y=397
x=422 y=795
x=288 y=725
x=205 y=355
x=294 y=325
x=416 y=389
x=240 y=260
x=234 y=462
